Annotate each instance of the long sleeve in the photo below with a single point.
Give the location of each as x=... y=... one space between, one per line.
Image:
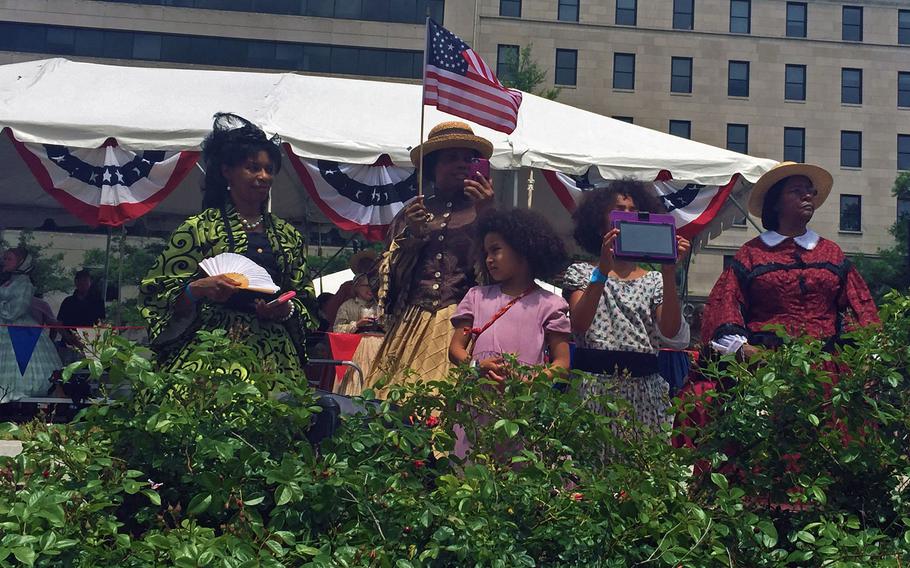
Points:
x=295 y=277
x=16 y=298
x=857 y=301
x=347 y=318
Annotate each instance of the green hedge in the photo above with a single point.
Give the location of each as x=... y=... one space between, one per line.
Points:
x=205 y=469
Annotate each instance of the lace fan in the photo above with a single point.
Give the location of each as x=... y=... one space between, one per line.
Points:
x=239 y=268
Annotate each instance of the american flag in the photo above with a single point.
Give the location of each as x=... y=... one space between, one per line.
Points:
x=458 y=82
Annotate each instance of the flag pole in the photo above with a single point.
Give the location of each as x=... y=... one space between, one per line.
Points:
x=423 y=94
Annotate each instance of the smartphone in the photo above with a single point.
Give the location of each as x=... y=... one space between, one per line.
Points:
x=480 y=166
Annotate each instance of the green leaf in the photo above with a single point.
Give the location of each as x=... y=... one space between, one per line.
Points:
x=813 y=419
x=24 y=555
x=153 y=496
x=283 y=496
x=199 y=504
x=805 y=537
x=254 y=501
x=719 y=480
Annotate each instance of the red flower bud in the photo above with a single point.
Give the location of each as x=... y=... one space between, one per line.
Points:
x=407 y=529
x=46 y=473
x=432 y=421
x=577 y=497
x=419 y=463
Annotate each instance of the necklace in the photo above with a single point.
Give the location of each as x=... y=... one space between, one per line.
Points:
x=249 y=226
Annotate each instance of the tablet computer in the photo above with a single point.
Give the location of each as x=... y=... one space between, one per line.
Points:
x=644 y=237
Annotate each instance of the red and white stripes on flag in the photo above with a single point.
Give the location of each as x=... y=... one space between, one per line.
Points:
x=459 y=82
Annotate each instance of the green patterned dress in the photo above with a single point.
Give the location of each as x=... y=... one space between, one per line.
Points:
x=280 y=345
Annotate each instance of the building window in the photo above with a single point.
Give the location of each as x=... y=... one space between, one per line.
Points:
x=681 y=128
x=628 y=119
x=851 y=213
x=851 y=149
x=795 y=83
x=511 y=8
x=738 y=138
x=208 y=50
x=681 y=75
x=740 y=16
x=903 y=207
x=683 y=14
x=903 y=89
x=567 y=10
x=624 y=71
x=852 y=27
x=794 y=144
x=903 y=152
x=626 y=12
x=566 y=66
x=796 y=19
x=851 y=86
x=738 y=79
x=402 y=11
x=903 y=27
x=506 y=62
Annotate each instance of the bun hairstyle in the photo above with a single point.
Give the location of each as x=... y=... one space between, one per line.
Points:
x=232 y=141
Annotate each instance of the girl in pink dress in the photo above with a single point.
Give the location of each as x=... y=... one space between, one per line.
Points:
x=514 y=315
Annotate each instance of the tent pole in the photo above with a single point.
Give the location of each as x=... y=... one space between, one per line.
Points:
x=515 y=188
x=746 y=213
x=107 y=265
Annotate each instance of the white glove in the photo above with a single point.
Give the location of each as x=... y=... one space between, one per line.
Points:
x=729 y=344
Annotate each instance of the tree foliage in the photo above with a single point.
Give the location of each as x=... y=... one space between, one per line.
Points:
x=799 y=467
x=525 y=74
x=890 y=269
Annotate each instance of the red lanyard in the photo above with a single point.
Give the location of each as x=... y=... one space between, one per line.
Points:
x=476 y=331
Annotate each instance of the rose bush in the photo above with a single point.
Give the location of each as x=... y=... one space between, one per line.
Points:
x=798 y=467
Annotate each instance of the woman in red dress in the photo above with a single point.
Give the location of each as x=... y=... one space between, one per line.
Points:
x=788 y=276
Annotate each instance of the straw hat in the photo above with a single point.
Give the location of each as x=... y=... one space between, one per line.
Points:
x=820 y=178
x=358 y=257
x=452 y=134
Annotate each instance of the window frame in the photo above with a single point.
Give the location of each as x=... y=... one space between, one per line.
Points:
x=905 y=76
x=903 y=27
x=511 y=4
x=846 y=90
x=565 y=4
x=679 y=13
x=845 y=26
x=859 y=208
x=804 y=25
x=731 y=81
x=787 y=83
x=501 y=73
x=673 y=75
x=556 y=72
x=745 y=144
x=617 y=56
x=903 y=139
x=625 y=12
x=802 y=146
x=680 y=123
x=846 y=135
x=747 y=17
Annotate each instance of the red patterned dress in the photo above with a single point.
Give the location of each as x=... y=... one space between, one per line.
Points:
x=806 y=284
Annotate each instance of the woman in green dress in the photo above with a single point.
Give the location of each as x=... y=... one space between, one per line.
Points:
x=178 y=298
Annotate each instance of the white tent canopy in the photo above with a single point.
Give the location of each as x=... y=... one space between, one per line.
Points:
x=57 y=101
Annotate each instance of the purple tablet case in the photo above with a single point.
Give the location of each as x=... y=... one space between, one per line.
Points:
x=649 y=237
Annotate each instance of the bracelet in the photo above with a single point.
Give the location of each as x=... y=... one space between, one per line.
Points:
x=290 y=314
x=598 y=277
x=189 y=294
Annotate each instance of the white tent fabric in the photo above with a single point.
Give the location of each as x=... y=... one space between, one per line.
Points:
x=330 y=283
x=57 y=101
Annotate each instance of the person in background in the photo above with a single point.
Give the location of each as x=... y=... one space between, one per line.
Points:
x=621 y=313
x=361 y=262
x=82 y=308
x=16 y=293
x=360 y=315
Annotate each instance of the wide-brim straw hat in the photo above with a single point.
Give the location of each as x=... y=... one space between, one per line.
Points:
x=452 y=134
x=820 y=178
x=357 y=257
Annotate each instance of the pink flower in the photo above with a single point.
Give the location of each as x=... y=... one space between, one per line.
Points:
x=154 y=485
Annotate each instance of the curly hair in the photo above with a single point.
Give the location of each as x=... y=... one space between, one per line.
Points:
x=589 y=215
x=530 y=235
x=232 y=141
x=770 y=216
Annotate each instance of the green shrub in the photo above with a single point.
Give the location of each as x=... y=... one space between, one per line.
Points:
x=199 y=468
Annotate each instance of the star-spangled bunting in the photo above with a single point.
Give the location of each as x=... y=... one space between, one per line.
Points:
x=459 y=82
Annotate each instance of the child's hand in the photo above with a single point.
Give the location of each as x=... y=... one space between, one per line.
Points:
x=606 y=252
x=683 y=246
x=493 y=368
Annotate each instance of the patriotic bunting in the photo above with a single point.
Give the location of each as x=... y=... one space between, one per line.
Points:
x=356 y=197
x=107 y=185
x=693 y=206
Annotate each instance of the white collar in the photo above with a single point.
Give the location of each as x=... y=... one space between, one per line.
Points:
x=808 y=240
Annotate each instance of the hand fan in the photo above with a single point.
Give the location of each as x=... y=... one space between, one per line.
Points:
x=239 y=268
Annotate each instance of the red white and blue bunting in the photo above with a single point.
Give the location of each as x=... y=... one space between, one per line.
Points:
x=107 y=185
x=357 y=197
x=693 y=206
